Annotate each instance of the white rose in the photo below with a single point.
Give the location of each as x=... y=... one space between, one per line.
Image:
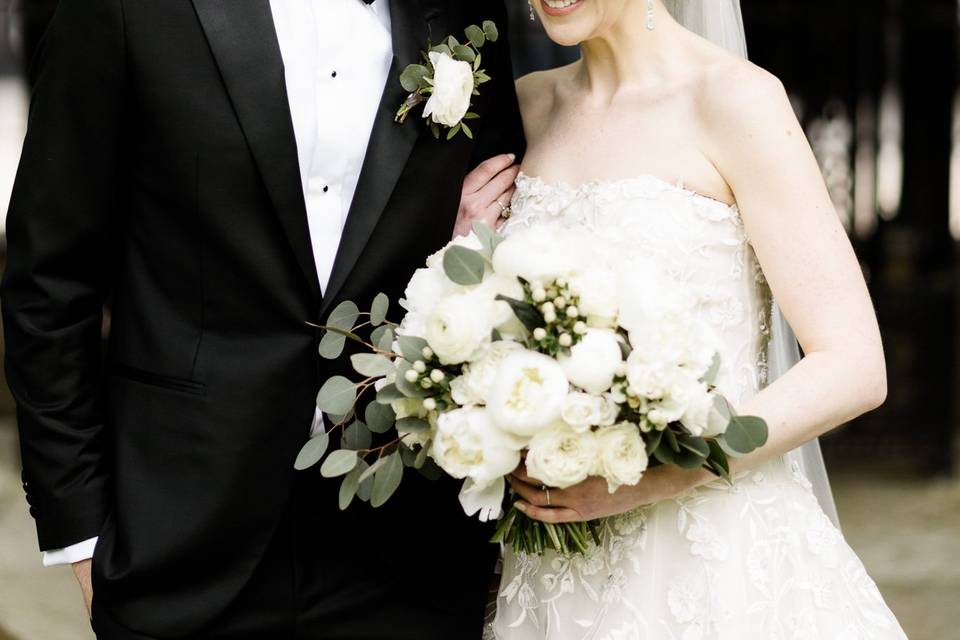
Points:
x=452 y=88
x=682 y=392
x=702 y=417
x=593 y=362
x=560 y=457
x=582 y=411
x=460 y=327
x=597 y=289
x=468 y=445
x=622 y=455
x=473 y=387
x=542 y=254
x=527 y=393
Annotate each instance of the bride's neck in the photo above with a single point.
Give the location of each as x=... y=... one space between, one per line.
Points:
x=628 y=54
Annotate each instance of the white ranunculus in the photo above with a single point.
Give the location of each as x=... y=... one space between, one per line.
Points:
x=582 y=411
x=452 y=88
x=460 y=327
x=468 y=445
x=702 y=417
x=527 y=393
x=560 y=457
x=622 y=455
x=597 y=290
x=540 y=254
x=473 y=387
x=682 y=392
x=593 y=362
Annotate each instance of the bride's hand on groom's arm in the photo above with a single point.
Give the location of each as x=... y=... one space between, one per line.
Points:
x=591 y=499
x=82 y=572
x=487 y=191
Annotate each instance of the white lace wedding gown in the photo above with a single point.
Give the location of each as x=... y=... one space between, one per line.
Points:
x=757 y=560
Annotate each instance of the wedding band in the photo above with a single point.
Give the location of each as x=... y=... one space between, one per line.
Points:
x=505 y=210
x=546 y=491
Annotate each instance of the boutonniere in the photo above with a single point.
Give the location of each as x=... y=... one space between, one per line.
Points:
x=447 y=80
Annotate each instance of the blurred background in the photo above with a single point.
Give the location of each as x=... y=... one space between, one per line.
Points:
x=875 y=83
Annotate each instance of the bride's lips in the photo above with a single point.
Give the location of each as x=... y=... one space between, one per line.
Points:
x=560 y=7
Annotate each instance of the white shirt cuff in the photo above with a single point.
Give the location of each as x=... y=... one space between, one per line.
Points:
x=69 y=555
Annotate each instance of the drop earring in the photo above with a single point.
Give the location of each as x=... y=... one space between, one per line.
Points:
x=651 y=21
x=533 y=13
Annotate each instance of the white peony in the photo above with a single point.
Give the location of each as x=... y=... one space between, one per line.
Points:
x=504 y=319
x=541 y=254
x=424 y=292
x=681 y=394
x=582 y=411
x=527 y=393
x=468 y=445
x=460 y=326
x=597 y=290
x=594 y=361
x=452 y=87
x=473 y=387
x=560 y=457
x=622 y=457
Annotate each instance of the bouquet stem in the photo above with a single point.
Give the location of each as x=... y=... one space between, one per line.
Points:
x=529 y=536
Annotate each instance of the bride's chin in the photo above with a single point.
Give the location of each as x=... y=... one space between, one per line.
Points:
x=561 y=8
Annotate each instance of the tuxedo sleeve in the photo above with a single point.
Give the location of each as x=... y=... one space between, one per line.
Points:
x=503 y=131
x=65 y=206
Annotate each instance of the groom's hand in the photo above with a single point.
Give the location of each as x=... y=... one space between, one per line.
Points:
x=82 y=571
x=487 y=191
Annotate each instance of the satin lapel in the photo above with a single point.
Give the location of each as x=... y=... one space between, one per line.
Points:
x=390 y=143
x=244 y=43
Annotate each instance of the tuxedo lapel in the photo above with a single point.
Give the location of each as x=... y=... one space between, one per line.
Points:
x=244 y=43
x=390 y=143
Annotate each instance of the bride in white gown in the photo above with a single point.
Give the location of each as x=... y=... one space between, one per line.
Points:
x=674 y=149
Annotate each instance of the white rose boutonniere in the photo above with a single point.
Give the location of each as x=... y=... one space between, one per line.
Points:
x=447 y=80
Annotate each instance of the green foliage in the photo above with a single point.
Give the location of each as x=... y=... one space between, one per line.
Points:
x=387 y=479
x=464 y=266
x=332 y=345
x=380 y=418
x=344 y=316
x=379 y=309
x=338 y=463
x=372 y=365
x=745 y=434
x=312 y=452
x=357 y=436
x=337 y=396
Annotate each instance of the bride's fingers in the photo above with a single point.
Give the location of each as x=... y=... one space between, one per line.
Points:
x=534 y=494
x=486 y=171
x=498 y=185
x=549 y=514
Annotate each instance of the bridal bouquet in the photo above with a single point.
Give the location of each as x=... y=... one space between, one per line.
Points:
x=536 y=347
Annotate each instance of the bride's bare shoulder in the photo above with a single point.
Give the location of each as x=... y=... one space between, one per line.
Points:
x=537 y=93
x=735 y=95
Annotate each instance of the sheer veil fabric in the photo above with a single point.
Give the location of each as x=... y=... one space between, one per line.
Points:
x=721 y=22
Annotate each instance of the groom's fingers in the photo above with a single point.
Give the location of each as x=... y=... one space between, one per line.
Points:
x=486 y=171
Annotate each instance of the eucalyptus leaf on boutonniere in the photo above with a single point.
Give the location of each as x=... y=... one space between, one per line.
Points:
x=450 y=75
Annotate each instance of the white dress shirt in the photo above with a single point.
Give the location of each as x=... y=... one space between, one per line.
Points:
x=337 y=56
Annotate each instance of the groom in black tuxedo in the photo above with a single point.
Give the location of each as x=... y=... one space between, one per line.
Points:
x=173 y=168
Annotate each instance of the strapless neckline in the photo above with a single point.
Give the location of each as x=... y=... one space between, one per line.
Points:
x=593 y=186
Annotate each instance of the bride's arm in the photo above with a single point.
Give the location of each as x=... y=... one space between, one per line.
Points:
x=761 y=150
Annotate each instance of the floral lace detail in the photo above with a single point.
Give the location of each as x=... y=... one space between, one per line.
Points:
x=755 y=559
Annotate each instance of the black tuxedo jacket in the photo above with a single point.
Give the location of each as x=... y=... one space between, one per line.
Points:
x=160 y=171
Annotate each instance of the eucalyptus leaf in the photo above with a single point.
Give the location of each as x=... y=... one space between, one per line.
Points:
x=528 y=315
x=421 y=458
x=490 y=30
x=710 y=377
x=379 y=309
x=723 y=407
x=337 y=396
x=411 y=347
x=332 y=344
x=464 y=53
x=412 y=425
x=312 y=451
x=452 y=42
x=387 y=480
x=366 y=485
x=338 y=463
x=745 y=434
x=695 y=445
x=407 y=388
x=488 y=238
x=372 y=365
x=388 y=394
x=412 y=75
x=671 y=439
x=442 y=48
x=476 y=36
x=344 y=316
x=349 y=487
x=357 y=436
x=664 y=453
x=653 y=441
x=372 y=469
x=430 y=470
x=408 y=455
x=380 y=418
x=462 y=265
x=382 y=337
